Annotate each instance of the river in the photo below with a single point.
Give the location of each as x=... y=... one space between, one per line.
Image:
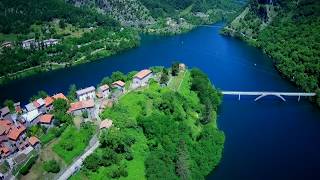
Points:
x=268 y=139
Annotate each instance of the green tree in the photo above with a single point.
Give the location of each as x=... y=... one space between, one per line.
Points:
x=51 y=166
x=72 y=95
x=164 y=76
x=175 y=69
x=118 y=76
x=10 y=104
x=61 y=105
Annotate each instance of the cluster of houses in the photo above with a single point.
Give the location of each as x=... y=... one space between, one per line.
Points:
x=32 y=43
x=14 y=125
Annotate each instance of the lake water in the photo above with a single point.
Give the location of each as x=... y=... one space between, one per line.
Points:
x=268 y=139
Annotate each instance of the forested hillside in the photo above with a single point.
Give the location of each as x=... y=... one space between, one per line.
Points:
x=288 y=31
x=85 y=30
x=163 y=16
x=83 y=34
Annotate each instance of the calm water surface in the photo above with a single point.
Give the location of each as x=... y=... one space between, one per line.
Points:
x=268 y=139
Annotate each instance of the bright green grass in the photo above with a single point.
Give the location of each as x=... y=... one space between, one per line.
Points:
x=129 y=107
x=79 y=139
x=136 y=169
x=176 y=81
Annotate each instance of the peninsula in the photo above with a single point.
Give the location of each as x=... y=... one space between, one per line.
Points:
x=156 y=123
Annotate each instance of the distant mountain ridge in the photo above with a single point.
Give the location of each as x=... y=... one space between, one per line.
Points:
x=162 y=16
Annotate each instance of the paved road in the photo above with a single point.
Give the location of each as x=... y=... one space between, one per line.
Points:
x=77 y=164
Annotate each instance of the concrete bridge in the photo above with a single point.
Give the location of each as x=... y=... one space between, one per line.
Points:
x=260 y=95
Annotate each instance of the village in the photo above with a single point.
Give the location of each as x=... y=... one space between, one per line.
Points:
x=17 y=146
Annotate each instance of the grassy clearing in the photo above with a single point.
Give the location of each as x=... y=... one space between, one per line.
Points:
x=37 y=171
x=136 y=169
x=175 y=82
x=72 y=142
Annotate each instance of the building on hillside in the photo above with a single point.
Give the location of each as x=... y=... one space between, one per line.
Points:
x=4 y=112
x=17 y=136
x=34 y=142
x=120 y=85
x=59 y=96
x=50 y=42
x=46 y=120
x=106 y=124
x=182 y=67
x=87 y=93
x=31 y=117
x=79 y=107
x=29 y=43
x=142 y=78
x=104 y=90
x=7 y=44
x=40 y=105
x=48 y=103
x=4 y=151
x=30 y=107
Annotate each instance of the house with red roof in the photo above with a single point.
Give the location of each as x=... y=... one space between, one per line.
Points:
x=17 y=136
x=34 y=142
x=120 y=85
x=104 y=90
x=79 y=107
x=40 y=105
x=59 y=96
x=46 y=120
x=142 y=78
x=5 y=151
x=48 y=103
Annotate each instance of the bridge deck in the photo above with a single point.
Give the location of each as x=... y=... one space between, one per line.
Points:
x=258 y=93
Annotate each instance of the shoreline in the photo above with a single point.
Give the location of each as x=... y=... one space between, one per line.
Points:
x=228 y=33
x=47 y=67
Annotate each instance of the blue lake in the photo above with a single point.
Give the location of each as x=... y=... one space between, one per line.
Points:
x=268 y=139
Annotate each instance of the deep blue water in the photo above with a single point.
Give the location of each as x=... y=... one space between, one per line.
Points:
x=268 y=139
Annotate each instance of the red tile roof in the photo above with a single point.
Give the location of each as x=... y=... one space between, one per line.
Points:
x=142 y=74
x=46 y=119
x=36 y=104
x=81 y=105
x=119 y=83
x=104 y=87
x=16 y=132
x=5 y=151
x=33 y=140
x=48 y=101
x=5 y=126
x=60 y=95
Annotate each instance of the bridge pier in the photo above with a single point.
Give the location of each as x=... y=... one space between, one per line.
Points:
x=299 y=98
x=239 y=97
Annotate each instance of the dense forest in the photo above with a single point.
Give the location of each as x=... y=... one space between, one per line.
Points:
x=288 y=31
x=17 y=16
x=83 y=34
x=159 y=133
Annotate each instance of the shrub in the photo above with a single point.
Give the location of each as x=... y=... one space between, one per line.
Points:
x=51 y=166
x=26 y=167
